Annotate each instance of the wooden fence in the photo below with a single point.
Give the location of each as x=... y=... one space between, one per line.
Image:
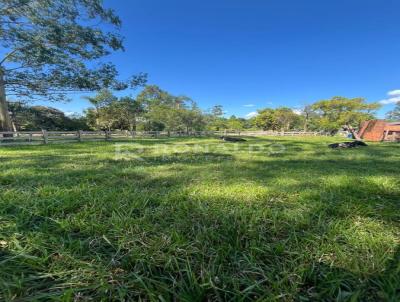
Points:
x=45 y=137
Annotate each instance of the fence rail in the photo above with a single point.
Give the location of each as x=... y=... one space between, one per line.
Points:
x=45 y=137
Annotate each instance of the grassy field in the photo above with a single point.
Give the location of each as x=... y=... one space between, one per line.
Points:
x=197 y=219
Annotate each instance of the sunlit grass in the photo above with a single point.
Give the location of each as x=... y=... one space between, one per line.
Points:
x=197 y=219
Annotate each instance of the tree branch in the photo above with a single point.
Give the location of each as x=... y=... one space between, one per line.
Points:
x=9 y=55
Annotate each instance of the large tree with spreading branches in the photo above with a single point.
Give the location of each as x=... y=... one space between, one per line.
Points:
x=340 y=112
x=50 y=48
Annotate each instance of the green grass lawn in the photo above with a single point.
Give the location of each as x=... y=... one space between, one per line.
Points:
x=198 y=219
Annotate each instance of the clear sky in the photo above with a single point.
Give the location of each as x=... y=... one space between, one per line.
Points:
x=251 y=54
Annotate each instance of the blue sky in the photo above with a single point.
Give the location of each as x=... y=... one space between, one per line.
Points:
x=251 y=54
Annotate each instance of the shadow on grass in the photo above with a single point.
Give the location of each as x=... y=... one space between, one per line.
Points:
x=175 y=248
x=108 y=229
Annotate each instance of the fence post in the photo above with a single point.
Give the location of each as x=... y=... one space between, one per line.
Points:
x=45 y=136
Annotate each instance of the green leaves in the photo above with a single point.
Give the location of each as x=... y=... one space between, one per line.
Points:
x=51 y=47
x=326 y=115
x=340 y=111
x=34 y=118
x=282 y=118
x=172 y=112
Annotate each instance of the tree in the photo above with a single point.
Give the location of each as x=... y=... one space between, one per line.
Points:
x=235 y=123
x=193 y=118
x=173 y=112
x=50 y=47
x=129 y=111
x=309 y=117
x=215 y=119
x=33 y=118
x=266 y=119
x=340 y=112
x=217 y=111
x=394 y=114
x=153 y=110
x=109 y=112
x=285 y=118
x=101 y=102
x=160 y=107
x=109 y=116
x=282 y=118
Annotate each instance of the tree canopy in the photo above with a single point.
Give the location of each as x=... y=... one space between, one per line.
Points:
x=155 y=109
x=281 y=118
x=49 y=48
x=339 y=111
x=152 y=110
x=33 y=118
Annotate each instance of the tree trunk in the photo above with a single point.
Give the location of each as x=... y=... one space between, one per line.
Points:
x=305 y=128
x=5 y=120
x=133 y=124
x=354 y=133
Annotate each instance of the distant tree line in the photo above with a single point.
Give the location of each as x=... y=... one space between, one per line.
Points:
x=154 y=109
x=31 y=118
x=52 y=48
